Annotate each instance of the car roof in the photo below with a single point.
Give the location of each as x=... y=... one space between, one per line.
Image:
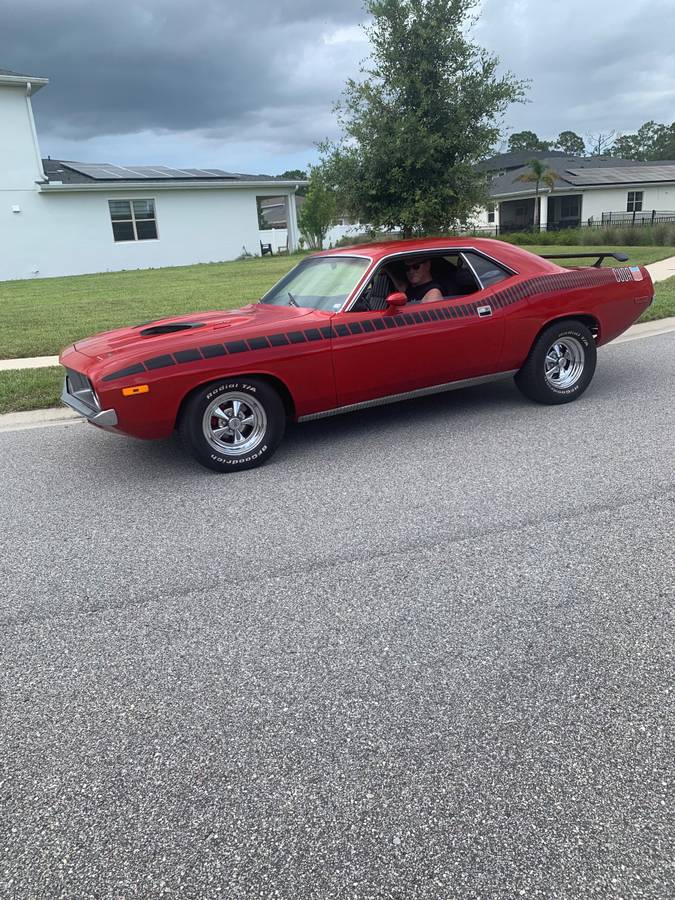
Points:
x=520 y=260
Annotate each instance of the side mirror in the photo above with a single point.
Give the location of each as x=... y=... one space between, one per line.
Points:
x=398 y=298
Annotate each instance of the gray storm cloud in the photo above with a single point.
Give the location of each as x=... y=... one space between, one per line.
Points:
x=268 y=73
x=129 y=66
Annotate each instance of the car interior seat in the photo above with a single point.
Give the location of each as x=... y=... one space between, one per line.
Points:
x=375 y=295
x=456 y=278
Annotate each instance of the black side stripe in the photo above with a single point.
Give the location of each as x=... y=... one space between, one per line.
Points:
x=136 y=369
x=183 y=356
x=258 y=343
x=454 y=310
x=212 y=350
x=160 y=362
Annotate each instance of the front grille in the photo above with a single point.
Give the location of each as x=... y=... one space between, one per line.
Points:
x=79 y=386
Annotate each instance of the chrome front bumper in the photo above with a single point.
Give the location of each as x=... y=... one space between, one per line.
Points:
x=105 y=418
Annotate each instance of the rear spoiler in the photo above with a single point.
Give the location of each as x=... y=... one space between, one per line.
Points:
x=621 y=257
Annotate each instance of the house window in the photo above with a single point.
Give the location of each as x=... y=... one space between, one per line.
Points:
x=491 y=214
x=569 y=207
x=634 y=203
x=133 y=220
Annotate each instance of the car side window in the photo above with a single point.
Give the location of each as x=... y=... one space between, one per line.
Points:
x=487 y=270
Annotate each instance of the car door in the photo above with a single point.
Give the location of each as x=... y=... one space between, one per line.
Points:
x=379 y=353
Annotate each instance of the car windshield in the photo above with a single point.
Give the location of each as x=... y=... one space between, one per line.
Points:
x=322 y=282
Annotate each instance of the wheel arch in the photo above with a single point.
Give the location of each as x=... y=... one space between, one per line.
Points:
x=275 y=382
x=591 y=322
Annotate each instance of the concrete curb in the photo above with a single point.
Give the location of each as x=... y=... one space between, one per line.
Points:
x=645 y=329
x=38 y=418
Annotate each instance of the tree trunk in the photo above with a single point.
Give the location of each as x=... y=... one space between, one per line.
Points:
x=536 y=207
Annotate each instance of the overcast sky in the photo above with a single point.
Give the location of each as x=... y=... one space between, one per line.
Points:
x=249 y=85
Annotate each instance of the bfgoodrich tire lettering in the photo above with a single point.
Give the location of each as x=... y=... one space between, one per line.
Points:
x=560 y=365
x=233 y=424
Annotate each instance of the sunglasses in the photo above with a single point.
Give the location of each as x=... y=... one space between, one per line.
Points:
x=413 y=267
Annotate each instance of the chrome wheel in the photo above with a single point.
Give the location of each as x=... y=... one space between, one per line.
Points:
x=234 y=424
x=564 y=362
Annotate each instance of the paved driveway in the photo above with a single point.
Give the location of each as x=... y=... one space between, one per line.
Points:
x=423 y=653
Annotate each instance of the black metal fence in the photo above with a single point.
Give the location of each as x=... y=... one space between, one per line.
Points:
x=607 y=220
x=643 y=217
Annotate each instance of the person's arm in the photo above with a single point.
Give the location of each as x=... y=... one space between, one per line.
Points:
x=433 y=294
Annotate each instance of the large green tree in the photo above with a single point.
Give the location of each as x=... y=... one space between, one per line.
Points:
x=652 y=141
x=427 y=109
x=526 y=140
x=570 y=142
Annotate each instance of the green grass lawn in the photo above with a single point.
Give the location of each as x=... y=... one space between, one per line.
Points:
x=40 y=317
x=637 y=256
x=30 y=389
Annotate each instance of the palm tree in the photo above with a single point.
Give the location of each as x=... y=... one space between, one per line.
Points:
x=539 y=174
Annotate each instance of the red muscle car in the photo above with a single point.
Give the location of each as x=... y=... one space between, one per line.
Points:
x=339 y=332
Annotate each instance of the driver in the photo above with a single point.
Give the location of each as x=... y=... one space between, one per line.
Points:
x=420 y=287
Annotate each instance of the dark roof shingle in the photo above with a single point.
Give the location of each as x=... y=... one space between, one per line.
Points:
x=575 y=171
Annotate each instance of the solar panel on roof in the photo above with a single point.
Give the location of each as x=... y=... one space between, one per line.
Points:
x=623 y=174
x=106 y=172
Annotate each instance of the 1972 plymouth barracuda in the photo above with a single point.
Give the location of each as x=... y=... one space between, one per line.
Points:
x=338 y=333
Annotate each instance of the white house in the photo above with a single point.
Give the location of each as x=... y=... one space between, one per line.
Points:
x=587 y=191
x=68 y=218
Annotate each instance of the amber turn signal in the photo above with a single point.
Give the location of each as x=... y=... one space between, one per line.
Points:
x=136 y=389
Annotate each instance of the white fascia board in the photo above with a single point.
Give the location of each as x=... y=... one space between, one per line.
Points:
x=270 y=188
x=531 y=195
x=36 y=83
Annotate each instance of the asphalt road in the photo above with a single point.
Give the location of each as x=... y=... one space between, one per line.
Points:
x=426 y=652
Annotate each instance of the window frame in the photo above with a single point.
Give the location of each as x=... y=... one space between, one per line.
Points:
x=358 y=288
x=136 y=239
x=633 y=198
x=436 y=251
x=466 y=255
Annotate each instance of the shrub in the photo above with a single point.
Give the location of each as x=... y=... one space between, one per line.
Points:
x=662 y=234
x=366 y=238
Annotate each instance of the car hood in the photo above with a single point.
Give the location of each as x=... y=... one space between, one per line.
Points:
x=175 y=332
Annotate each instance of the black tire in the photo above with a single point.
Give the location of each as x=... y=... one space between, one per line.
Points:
x=546 y=380
x=200 y=426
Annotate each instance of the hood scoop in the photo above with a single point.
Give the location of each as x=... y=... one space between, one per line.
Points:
x=170 y=328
